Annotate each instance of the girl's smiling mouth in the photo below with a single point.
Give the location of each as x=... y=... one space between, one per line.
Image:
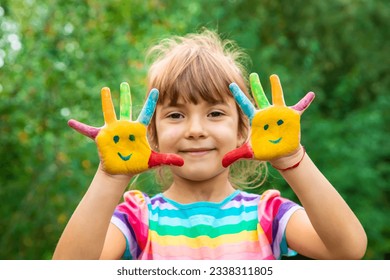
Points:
x=197 y=151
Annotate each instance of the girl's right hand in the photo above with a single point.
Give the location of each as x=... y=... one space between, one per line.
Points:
x=122 y=144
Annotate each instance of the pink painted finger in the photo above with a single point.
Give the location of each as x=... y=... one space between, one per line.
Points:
x=245 y=151
x=84 y=129
x=302 y=105
x=157 y=159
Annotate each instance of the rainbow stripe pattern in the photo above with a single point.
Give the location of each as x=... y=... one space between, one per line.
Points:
x=242 y=226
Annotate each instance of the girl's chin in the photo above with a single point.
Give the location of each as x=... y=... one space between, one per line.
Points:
x=198 y=173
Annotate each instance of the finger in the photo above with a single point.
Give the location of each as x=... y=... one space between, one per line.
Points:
x=125 y=102
x=302 y=105
x=258 y=92
x=150 y=105
x=157 y=159
x=108 y=106
x=243 y=101
x=84 y=129
x=245 y=151
x=277 y=91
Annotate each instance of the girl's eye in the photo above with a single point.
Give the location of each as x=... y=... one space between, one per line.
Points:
x=216 y=114
x=175 y=116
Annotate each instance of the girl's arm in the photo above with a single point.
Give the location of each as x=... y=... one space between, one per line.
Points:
x=327 y=229
x=123 y=149
x=86 y=231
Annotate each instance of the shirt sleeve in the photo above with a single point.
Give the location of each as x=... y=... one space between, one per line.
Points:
x=274 y=214
x=131 y=217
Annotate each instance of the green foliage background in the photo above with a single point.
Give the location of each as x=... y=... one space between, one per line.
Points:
x=55 y=56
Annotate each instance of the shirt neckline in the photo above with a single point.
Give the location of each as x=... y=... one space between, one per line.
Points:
x=201 y=203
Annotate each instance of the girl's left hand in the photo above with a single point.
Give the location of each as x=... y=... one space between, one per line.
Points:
x=275 y=129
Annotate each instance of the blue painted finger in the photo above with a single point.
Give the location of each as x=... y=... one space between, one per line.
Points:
x=150 y=105
x=243 y=101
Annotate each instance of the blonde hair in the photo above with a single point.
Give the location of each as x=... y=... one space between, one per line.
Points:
x=200 y=66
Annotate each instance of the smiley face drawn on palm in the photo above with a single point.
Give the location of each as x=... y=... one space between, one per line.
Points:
x=275 y=129
x=122 y=144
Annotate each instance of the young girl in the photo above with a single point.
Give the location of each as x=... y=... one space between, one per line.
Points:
x=202 y=214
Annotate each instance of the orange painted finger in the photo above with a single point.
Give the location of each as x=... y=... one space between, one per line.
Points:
x=108 y=106
x=277 y=91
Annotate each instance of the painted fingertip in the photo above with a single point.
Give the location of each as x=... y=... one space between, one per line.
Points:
x=105 y=91
x=254 y=77
x=235 y=89
x=153 y=94
x=124 y=87
x=71 y=122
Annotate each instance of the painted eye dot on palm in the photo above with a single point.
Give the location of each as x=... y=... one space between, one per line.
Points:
x=275 y=129
x=279 y=122
x=116 y=138
x=122 y=144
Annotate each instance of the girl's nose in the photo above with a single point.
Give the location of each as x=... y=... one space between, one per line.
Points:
x=196 y=128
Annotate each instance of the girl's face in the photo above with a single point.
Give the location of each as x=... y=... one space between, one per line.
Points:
x=200 y=133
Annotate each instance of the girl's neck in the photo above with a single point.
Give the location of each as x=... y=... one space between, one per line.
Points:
x=185 y=191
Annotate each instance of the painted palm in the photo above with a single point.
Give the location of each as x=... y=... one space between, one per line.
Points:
x=275 y=129
x=122 y=144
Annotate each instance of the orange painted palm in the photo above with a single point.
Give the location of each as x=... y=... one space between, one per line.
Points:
x=122 y=144
x=275 y=129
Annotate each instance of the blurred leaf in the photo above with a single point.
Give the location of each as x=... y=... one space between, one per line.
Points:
x=55 y=56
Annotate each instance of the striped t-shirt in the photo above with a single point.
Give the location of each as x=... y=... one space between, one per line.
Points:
x=242 y=226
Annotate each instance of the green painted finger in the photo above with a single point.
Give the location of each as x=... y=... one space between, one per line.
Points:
x=125 y=102
x=258 y=92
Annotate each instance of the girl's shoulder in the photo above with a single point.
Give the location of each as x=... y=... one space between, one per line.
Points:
x=270 y=203
x=136 y=197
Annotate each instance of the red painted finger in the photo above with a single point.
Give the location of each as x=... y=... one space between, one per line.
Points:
x=245 y=151
x=157 y=159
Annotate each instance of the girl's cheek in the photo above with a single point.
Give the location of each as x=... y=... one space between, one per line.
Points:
x=168 y=136
x=172 y=132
